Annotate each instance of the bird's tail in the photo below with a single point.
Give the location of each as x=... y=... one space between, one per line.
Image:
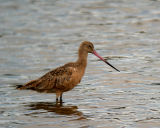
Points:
x=30 y=85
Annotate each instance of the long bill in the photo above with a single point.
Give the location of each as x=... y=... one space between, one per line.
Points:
x=96 y=54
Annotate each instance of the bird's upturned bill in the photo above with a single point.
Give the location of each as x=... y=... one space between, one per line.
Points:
x=96 y=54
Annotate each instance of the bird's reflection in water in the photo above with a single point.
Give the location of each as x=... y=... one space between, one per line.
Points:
x=57 y=108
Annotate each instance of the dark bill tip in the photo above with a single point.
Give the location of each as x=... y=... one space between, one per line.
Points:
x=111 y=66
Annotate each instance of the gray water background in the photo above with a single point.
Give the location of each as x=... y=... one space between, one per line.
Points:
x=39 y=35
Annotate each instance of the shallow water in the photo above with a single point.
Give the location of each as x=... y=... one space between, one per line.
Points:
x=39 y=35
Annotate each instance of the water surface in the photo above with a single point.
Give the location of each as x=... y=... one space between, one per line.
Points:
x=39 y=35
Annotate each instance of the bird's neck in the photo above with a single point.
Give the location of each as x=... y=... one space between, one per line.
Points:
x=82 y=58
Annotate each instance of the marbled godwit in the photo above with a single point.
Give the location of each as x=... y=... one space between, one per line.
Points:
x=66 y=77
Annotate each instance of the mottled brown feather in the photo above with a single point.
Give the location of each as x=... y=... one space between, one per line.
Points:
x=61 y=78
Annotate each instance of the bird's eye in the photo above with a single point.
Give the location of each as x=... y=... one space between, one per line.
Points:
x=90 y=46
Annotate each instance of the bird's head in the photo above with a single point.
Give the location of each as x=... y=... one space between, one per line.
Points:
x=89 y=48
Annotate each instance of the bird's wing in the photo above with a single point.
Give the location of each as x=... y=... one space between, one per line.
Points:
x=55 y=79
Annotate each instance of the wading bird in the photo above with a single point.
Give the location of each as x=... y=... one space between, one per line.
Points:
x=66 y=77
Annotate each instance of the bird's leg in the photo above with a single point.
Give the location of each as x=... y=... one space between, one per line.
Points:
x=57 y=96
x=61 y=97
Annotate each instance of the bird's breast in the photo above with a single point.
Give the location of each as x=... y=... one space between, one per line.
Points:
x=77 y=75
x=75 y=78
